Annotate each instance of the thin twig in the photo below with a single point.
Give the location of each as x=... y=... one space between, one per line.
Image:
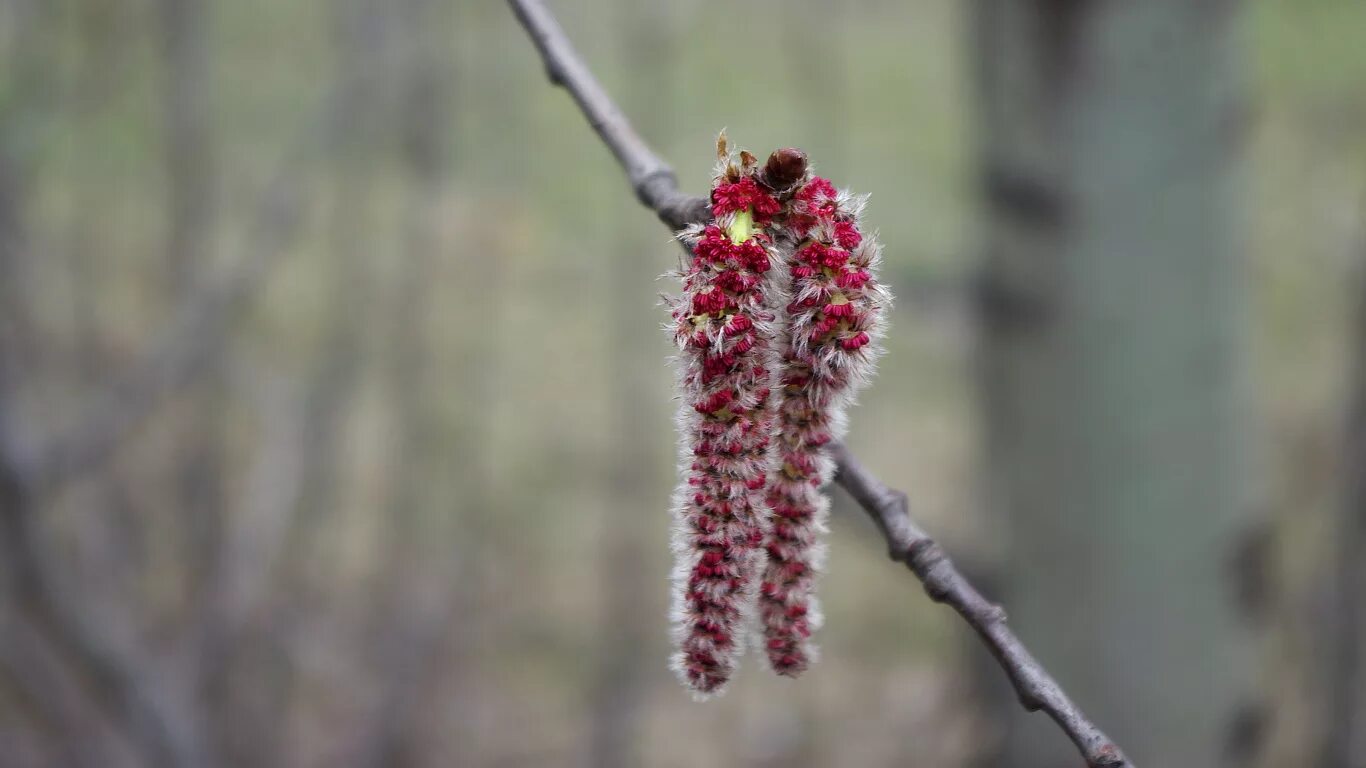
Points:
x=907 y=542
x=651 y=178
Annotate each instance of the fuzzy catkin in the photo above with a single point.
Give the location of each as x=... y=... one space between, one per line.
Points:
x=828 y=342
x=723 y=324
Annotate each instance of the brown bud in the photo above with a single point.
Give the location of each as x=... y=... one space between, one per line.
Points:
x=747 y=161
x=784 y=168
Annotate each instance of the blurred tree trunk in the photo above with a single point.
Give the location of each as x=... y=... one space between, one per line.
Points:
x=48 y=610
x=628 y=613
x=1344 y=736
x=259 y=682
x=1111 y=309
x=418 y=588
x=335 y=374
x=191 y=179
x=200 y=460
x=27 y=82
x=190 y=168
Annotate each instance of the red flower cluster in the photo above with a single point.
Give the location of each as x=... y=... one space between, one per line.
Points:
x=741 y=195
x=723 y=327
x=834 y=312
x=780 y=293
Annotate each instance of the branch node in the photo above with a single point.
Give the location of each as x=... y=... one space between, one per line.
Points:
x=898 y=553
x=923 y=554
x=922 y=557
x=1030 y=702
x=1109 y=756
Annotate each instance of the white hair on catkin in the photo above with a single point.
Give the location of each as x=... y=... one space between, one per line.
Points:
x=723 y=324
x=833 y=324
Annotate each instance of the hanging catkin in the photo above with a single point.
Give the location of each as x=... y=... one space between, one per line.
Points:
x=780 y=293
x=828 y=334
x=723 y=324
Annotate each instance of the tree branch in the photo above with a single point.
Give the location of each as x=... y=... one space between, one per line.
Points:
x=651 y=178
x=657 y=188
x=908 y=543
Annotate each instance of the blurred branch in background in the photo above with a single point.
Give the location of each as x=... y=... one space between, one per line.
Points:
x=656 y=187
x=623 y=662
x=145 y=700
x=416 y=599
x=195 y=334
x=190 y=161
x=115 y=676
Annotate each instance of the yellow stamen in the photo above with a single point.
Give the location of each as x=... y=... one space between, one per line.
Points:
x=742 y=227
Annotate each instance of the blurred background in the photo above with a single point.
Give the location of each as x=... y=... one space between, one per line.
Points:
x=336 y=419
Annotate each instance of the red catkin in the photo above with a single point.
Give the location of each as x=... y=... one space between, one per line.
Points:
x=723 y=324
x=834 y=314
x=777 y=328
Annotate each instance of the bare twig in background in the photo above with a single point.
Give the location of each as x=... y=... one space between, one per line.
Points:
x=625 y=656
x=254 y=537
x=117 y=677
x=45 y=692
x=416 y=596
x=192 y=218
x=656 y=186
x=32 y=595
x=190 y=165
x=200 y=325
x=651 y=178
x=195 y=335
x=266 y=622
